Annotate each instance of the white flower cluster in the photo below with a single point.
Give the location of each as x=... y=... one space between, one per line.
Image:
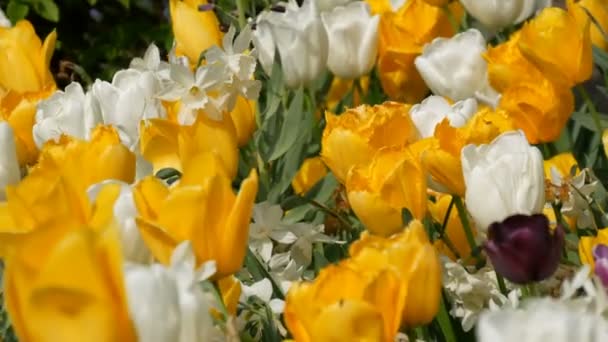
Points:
x=576 y=195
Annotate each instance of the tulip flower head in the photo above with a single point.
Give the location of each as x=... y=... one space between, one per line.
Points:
x=600 y=256
x=523 y=248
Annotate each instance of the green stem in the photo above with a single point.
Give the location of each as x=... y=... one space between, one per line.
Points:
x=501 y=284
x=451 y=18
x=240 y=6
x=594 y=113
x=464 y=218
x=443 y=236
x=443 y=318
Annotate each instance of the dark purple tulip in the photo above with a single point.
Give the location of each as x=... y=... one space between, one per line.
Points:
x=600 y=256
x=523 y=249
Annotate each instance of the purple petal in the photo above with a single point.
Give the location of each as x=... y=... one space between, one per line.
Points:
x=601 y=270
x=550 y=261
x=600 y=251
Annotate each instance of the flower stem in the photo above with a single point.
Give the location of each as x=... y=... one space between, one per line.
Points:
x=443 y=318
x=240 y=6
x=464 y=218
x=594 y=113
x=501 y=284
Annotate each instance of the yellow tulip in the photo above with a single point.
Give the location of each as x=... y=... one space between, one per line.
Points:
x=230 y=288
x=379 y=6
x=346 y=303
x=563 y=164
x=21 y=118
x=550 y=213
x=194 y=31
x=203 y=209
x=442 y=156
x=438 y=3
x=599 y=11
x=605 y=141
x=168 y=144
x=543 y=38
x=243 y=117
x=353 y=137
x=417 y=264
x=586 y=244
x=378 y=192
x=68 y=286
x=402 y=35
x=540 y=109
x=310 y=173
x=24 y=63
x=558 y=175
x=453 y=229
x=340 y=88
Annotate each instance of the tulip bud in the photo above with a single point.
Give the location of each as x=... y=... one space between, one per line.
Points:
x=9 y=165
x=523 y=248
x=353 y=37
x=496 y=14
x=599 y=11
x=503 y=178
x=455 y=67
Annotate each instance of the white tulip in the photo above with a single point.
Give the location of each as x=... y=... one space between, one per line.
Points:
x=126 y=101
x=4 y=22
x=134 y=249
x=9 y=165
x=496 y=14
x=328 y=5
x=168 y=304
x=434 y=109
x=65 y=113
x=542 y=320
x=455 y=68
x=301 y=39
x=353 y=37
x=502 y=179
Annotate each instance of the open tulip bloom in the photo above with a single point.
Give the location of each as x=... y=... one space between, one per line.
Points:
x=316 y=170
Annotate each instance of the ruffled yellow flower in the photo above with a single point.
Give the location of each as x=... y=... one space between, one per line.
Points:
x=543 y=39
x=194 y=31
x=599 y=11
x=243 y=118
x=68 y=286
x=402 y=35
x=25 y=79
x=169 y=145
x=586 y=244
x=378 y=192
x=541 y=109
x=442 y=156
x=54 y=192
x=203 y=209
x=310 y=173
x=453 y=229
x=353 y=137
x=418 y=266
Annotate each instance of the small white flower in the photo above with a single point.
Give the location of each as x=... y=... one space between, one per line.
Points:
x=9 y=165
x=455 y=68
x=4 y=22
x=503 y=178
x=65 y=113
x=308 y=235
x=266 y=227
x=578 y=204
x=263 y=290
x=434 y=109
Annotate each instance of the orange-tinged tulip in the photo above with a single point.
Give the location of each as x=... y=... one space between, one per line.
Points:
x=586 y=244
x=543 y=38
x=310 y=173
x=230 y=288
x=353 y=137
x=599 y=11
x=453 y=229
x=195 y=31
x=402 y=35
x=203 y=209
x=378 y=192
x=168 y=145
x=417 y=263
x=243 y=117
x=68 y=286
x=24 y=63
x=541 y=109
x=442 y=157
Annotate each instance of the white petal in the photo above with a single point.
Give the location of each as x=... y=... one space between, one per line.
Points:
x=9 y=165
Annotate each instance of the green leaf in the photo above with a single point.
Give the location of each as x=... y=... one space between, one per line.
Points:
x=443 y=318
x=47 y=9
x=406 y=216
x=16 y=11
x=600 y=57
x=291 y=128
x=125 y=3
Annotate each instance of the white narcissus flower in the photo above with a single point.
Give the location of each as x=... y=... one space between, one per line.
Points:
x=542 y=320
x=301 y=39
x=434 y=109
x=4 y=22
x=126 y=101
x=455 y=68
x=496 y=14
x=65 y=112
x=266 y=227
x=173 y=297
x=9 y=165
x=353 y=36
x=503 y=178
x=263 y=290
